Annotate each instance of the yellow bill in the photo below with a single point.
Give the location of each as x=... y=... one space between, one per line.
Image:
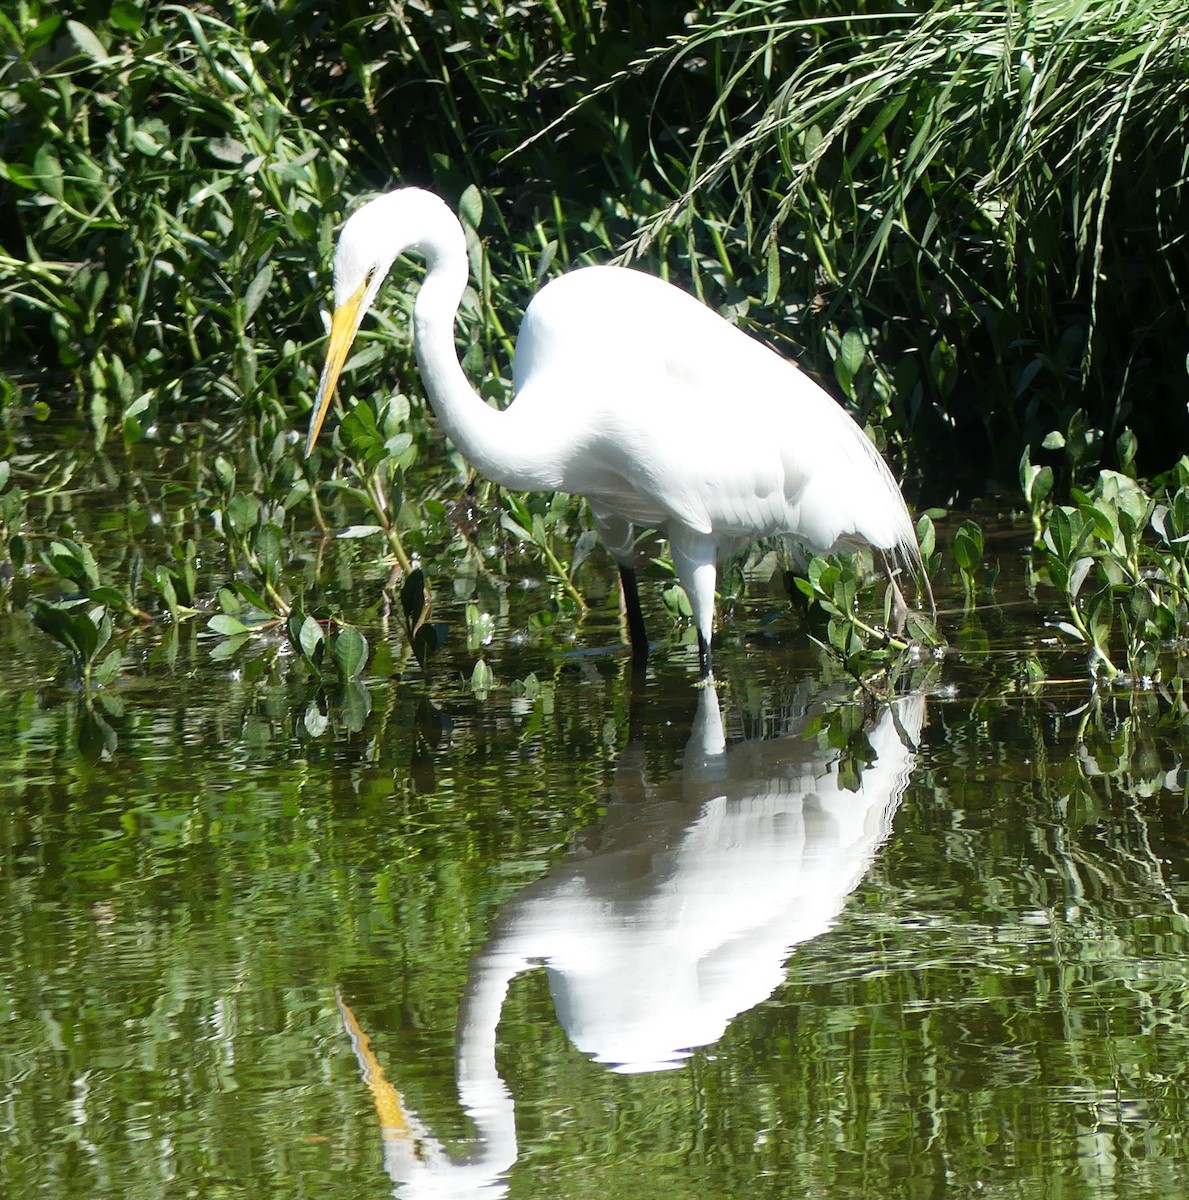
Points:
x=343 y=327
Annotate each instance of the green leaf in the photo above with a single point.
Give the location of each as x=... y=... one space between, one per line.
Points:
x=480 y=627
x=316 y=721
x=310 y=640
x=138 y=406
x=226 y=626
x=772 y=271
x=356 y=706
x=269 y=551
x=677 y=602
x=41 y=33
x=852 y=352
x=361 y=436
x=582 y=549
x=252 y=596
x=163 y=582
x=229 y=647
x=224 y=473
x=145 y=141
x=108 y=669
x=1141 y=604
x=227 y=149
x=70 y=628
x=412 y=599
x=1040 y=485
x=482 y=679
x=350 y=652
x=229 y=602
x=1070 y=631
x=243 y=513
x=1077 y=576
x=109 y=596
x=470 y=206
x=87 y=42
x=95 y=736
x=19 y=175
x=841 y=635
x=1100 y=618
x=256 y=292
x=49 y=172
x=428 y=640
x=358 y=531
x=126 y=16
x=968 y=546
x=1059 y=533
x=1126 y=446
x=926 y=536
x=73 y=561
x=517 y=530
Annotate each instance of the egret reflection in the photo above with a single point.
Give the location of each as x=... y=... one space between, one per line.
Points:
x=672 y=916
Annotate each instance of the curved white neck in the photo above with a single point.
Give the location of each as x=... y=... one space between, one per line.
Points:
x=488 y=438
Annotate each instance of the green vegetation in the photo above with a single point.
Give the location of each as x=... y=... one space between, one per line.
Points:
x=968 y=218
x=272 y=727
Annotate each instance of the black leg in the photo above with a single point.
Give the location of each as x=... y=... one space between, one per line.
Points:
x=704 y=656
x=631 y=602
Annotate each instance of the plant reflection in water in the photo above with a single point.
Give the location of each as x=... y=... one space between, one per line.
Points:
x=672 y=916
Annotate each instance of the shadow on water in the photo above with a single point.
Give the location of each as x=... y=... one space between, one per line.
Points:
x=668 y=918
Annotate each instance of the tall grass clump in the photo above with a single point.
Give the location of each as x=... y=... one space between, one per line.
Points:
x=992 y=194
x=970 y=214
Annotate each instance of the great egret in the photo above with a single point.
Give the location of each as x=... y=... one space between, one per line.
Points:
x=632 y=393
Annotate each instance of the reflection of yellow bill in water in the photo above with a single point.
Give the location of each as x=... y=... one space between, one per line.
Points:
x=394 y=1122
x=413 y=1158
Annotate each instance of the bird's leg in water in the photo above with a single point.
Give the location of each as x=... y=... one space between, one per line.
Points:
x=704 y=665
x=637 y=634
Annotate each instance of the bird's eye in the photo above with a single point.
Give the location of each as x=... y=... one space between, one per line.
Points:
x=371 y=274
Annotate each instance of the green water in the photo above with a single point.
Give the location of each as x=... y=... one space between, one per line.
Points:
x=243 y=936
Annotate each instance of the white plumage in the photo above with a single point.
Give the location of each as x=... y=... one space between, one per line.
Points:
x=636 y=395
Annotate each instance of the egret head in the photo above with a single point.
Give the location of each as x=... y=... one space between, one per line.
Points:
x=371 y=241
x=365 y=253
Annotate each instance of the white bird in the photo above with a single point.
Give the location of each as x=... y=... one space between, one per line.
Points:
x=632 y=393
